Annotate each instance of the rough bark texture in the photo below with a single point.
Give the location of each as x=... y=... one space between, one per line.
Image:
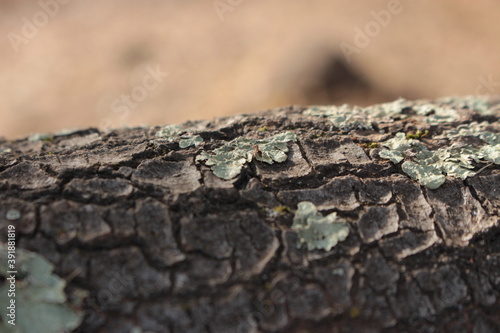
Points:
x=163 y=245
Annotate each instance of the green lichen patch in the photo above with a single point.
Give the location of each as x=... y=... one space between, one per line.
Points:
x=473 y=129
x=400 y=146
x=169 y=132
x=40 y=302
x=190 y=141
x=435 y=115
x=430 y=167
x=281 y=209
x=348 y=118
x=387 y=112
x=13 y=214
x=263 y=129
x=276 y=211
x=318 y=231
x=427 y=175
x=173 y=133
x=417 y=135
x=343 y=117
x=370 y=145
x=489 y=152
x=479 y=104
x=448 y=111
x=41 y=137
x=226 y=162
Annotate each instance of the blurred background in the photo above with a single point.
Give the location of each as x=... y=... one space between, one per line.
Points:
x=113 y=63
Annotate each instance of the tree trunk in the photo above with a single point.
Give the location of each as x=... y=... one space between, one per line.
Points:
x=162 y=244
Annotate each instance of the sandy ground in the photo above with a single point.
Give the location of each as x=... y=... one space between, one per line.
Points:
x=112 y=63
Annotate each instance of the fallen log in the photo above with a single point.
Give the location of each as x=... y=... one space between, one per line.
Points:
x=196 y=228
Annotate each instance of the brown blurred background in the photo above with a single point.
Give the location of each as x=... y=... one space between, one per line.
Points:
x=75 y=63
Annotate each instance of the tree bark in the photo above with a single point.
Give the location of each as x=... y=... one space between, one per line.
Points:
x=163 y=245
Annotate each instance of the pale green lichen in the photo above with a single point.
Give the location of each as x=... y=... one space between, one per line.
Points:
x=169 y=133
x=430 y=167
x=347 y=117
x=190 y=141
x=399 y=145
x=473 y=129
x=41 y=137
x=40 y=302
x=435 y=115
x=5 y=150
x=387 y=112
x=318 y=231
x=343 y=117
x=489 y=152
x=427 y=175
x=478 y=103
x=13 y=214
x=173 y=133
x=226 y=162
x=448 y=111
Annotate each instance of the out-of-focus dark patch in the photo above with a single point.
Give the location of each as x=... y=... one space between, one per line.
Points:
x=336 y=82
